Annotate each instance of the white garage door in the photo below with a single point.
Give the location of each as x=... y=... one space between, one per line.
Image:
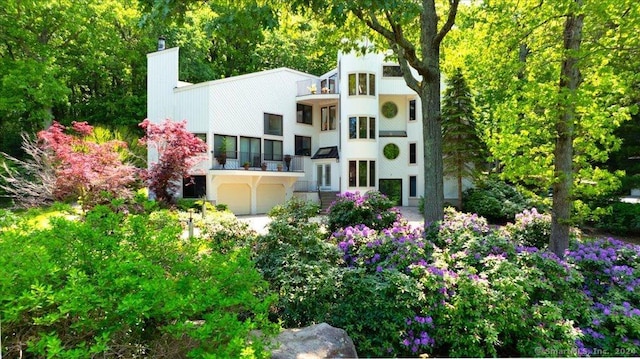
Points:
x=269 y=195
x=236 y=196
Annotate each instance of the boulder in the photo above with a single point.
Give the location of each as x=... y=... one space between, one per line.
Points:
x=314 y=342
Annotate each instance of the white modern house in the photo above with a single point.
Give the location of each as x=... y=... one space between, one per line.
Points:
x=355 y=128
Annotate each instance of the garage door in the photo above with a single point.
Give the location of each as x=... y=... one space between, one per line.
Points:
x=236 y=196
x=269 y=195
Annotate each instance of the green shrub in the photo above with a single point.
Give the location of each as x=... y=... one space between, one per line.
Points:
x=531 y=229
x=116 y=285
x=622 y=218
x=372 y=209
x=495 y=200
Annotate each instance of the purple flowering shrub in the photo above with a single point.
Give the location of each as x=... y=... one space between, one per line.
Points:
x=531 y=229
x=612 y=284
x=460 y=289
x=373 y=209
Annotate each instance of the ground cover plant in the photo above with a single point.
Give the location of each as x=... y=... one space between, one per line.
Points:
x=459 y=288
x=111 y=284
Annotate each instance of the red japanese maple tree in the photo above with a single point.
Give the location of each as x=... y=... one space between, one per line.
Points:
x=86 y=169
x=178 y=151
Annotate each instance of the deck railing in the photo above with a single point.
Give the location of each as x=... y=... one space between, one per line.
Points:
x=234 y=160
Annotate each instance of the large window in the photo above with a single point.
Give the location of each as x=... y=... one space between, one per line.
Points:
x=304 y=114
x=362 y=127
x=362 y=173
x=328 y=118
x=303 y=146
x=362 y=84
x=194 y=187
x=413 y=153
x=250 y=151
x=272 y=150
x=272 y=124
x=232 y=142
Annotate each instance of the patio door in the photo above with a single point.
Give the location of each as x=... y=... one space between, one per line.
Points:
x=324 y=176
x=392 y=188
x=250 y=151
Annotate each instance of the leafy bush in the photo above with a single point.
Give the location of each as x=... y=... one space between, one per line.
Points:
x=298 y=264
x=459 y=289
x=531 y=229
x=116 y=285
x=495 y=200
x=612 y=285
x=622 y=218
x=372 y=209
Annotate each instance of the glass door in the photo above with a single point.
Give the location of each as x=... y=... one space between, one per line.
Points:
x=324 y=176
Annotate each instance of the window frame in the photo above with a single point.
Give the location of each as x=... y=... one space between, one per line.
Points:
x=269 y=154
x=232 y=145
x=362 y=173
x=362 y=84
x=413 y=153
x=413 y=186
x=412 y=110
x=267 y=124
x=304 y=114
x=299 y=151
x=359 y=125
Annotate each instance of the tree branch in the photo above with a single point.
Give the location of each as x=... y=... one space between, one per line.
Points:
x=451 y=19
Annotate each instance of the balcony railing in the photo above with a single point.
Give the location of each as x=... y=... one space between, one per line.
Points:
x=315 y=87
x=235 y=160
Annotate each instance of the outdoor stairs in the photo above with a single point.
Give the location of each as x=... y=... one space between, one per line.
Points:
x=326 y=198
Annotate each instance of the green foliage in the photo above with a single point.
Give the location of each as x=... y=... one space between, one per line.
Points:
x=622 y=218
x=531 y=229
x=372 y=209
x=116 y=285
x=495 y=200
x=461 y=146
x=299 y=264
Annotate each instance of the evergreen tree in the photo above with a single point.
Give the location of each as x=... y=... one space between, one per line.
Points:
x=462 y=149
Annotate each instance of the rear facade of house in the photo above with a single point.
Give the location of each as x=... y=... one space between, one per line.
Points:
x=288 y=133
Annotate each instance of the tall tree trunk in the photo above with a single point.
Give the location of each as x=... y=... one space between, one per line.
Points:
x=563 y=168
x=432 y=137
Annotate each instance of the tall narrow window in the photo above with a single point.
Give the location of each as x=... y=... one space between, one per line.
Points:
x=412 y=153
x=362 y=127
x=413 y=186
x=353 y=124
x=362 y=84
x=372 y=173
x=372 y=85
x=352 y=173
x=372 y=127
x=332 y=117
x=412 y=110
x=352 y=84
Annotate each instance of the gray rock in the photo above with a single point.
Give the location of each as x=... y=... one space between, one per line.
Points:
x=315 y=342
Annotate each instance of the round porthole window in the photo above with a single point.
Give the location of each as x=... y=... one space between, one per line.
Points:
x=391 y=151
x=389 y=109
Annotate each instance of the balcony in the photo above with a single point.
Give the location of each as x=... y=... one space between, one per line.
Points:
x=255 y=161
x=317 y=91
